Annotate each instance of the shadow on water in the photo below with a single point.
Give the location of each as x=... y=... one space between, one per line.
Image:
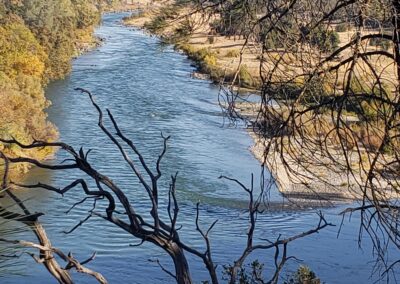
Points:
x=149 y=90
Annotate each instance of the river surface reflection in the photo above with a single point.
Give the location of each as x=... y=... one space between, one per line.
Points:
x=148 y=88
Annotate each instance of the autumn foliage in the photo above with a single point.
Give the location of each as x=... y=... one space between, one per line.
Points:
x=38 y=38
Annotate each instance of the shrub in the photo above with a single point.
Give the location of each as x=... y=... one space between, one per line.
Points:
x=156 y=25
x=159 y=23
x=205 y=56
x=232 y=53
x=342 y=27
x=323 y=38
x=303 y=275
x=246 y=80
x=210 y=59
x=208 y=62
x=205 y=59
x=273 y=40
x=371 y=142
x=369 y=109
x=182 y=32
x=249 y=274
x=380 y=42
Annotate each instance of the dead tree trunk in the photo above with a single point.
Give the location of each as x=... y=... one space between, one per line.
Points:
x=182 y=274
x=146 y=227
x=46 y=251
x=50 y=262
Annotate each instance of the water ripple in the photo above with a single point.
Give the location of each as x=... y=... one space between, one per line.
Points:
x=149 y=90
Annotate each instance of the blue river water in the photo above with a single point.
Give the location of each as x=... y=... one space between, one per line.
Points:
x=149 y=89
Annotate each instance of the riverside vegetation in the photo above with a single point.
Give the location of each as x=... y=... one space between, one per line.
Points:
x=215 y=41
x=311 y=106
x=38 y=39
x=234 y=45
x=326 y=123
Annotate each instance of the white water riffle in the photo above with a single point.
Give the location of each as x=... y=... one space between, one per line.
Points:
x=149 y=89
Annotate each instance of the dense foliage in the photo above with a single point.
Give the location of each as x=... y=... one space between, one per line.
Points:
x=38 y=38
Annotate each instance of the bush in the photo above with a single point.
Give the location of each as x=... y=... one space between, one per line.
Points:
x=342 y=27
x=159 y=23
x=156 y=25
x=369 y=109
x=210 y=60
x=232 y=53
x=245 y=78
x=380 y=42
x=205 y=58
x=182 y=32
x=273 y=40
x=303 y=275
x=322 y=37
x=370 y=141
x=249 y=274
x=316 y=90
x=357 y=86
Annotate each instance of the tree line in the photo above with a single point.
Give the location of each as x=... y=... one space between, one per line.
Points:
x=318 y=86
x=38 y=39
x=329 y=83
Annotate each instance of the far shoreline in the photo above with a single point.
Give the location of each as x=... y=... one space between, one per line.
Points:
x=299 y=200
x=320 y=194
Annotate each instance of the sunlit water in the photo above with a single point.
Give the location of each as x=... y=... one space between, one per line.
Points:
x=148 y=88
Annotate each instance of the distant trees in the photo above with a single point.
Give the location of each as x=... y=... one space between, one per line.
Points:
x=236 y=17
x=324 y=39
x=56 y=25
x=38 y=39
x=328 y=112
x=21 y=52
x=336 y=104
x=22 y=68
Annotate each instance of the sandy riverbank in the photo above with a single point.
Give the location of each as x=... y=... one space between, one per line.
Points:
x=226 y=54
x=325 y=182
x=223 y=58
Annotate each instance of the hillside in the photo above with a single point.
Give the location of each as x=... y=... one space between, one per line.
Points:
x=38 y=39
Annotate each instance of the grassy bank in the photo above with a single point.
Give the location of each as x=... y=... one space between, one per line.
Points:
x=231 y=59
x=214 y=55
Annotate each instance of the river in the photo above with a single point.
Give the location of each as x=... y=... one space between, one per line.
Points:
x=148 y=88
